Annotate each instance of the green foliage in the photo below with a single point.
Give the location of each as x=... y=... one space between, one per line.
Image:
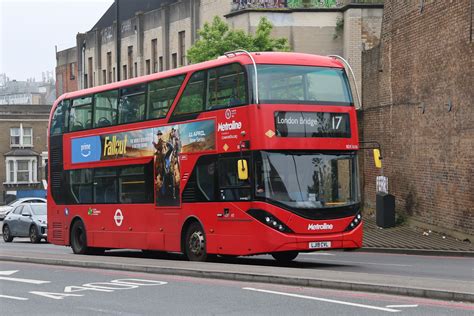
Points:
x=217 y=38
x=339 y=27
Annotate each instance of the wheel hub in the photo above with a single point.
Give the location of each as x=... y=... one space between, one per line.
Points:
x=196 y=243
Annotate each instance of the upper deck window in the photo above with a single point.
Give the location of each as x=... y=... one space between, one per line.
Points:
x=216 y=88
x=227 y=87
x=105 y=108
x=81 y=114
x=132 y=104
x=192 y=99
x=161 y=94
x=60 y=118
x=303 y=85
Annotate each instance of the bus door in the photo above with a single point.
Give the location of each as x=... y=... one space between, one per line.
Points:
x=234 y=195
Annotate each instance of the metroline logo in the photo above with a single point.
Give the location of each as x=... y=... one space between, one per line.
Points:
x=222 y=127
x=324 y=226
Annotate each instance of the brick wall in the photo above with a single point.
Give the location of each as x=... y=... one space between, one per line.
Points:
x=425 y=60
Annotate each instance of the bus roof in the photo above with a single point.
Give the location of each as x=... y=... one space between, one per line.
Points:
x=283 y=58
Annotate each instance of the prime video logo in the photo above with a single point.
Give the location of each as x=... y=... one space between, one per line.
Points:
x=324 y=226
x=86 y=150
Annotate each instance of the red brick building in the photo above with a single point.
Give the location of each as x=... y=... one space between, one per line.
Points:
x=66 y=71
x=418 y=94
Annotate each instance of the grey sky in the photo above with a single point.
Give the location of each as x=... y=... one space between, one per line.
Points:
x=29 y=30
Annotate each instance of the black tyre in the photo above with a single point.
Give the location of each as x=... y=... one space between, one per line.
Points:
x=285 y=257
x=7 y=234
x=195 y=243
x=78 y=238
x=34 y=234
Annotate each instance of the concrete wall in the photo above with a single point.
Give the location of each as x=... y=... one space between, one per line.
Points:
x=424 y=62
x=345 y=31
x=312 y=31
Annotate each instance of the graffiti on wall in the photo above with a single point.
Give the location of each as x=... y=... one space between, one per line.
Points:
x=285 y=4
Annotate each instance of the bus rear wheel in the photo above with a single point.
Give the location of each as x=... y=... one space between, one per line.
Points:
x=285 y=257
x=79 y=238
x=195 y=243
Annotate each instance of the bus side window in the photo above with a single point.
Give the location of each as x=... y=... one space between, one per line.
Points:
x=136 y=184
x=60 y=118
x=192 y=99
x=227 y=87
x=161 y=94
x=206 y=179
x=132 y=104
x=81 y=114
x=105 y=108
x=80 y=182
x=105 y=185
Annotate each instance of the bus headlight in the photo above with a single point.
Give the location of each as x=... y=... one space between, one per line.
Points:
x=355 y=222
x=269 y=220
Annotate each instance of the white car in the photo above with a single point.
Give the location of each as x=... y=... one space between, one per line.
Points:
x=10 y=206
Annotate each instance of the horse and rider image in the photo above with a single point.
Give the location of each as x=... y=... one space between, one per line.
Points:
x=167 y=171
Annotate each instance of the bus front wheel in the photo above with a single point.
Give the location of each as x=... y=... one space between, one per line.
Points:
x=285 y=257
x=195 y=243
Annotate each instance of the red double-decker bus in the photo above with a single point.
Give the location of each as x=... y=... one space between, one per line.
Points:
x=246 y=154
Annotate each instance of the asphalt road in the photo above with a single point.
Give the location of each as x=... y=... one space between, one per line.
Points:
x=448 y=268
x=27 y=289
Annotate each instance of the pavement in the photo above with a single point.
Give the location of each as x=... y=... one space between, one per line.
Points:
x=401 y=239
x=412 y=240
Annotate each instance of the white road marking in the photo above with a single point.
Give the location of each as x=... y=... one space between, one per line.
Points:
x=371 y=263
x=319 y=254
x=324 y=300
x=30 y=281
x=14 y=297
x=396 y=306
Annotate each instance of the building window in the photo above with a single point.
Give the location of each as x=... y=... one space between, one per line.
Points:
x=109 y=67
x=104 y=76
x=174 y=58
x=135 y=69
x=21 y=170
x=182 y=48
x=124 y=72
x=154 y=53
x=161 y=63
x=147 y=66
x=72 y=71
x=21 y=136
x=130 y=61
x=113 y=70
x=91 y=77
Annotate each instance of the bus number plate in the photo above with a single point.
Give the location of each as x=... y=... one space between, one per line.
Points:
x=319 y=245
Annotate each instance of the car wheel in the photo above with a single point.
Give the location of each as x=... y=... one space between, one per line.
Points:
x=7 y=235
x=195 y=243
x=285 y=257
x=34 y=235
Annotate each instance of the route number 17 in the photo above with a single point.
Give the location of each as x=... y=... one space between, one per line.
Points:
x=336 y=121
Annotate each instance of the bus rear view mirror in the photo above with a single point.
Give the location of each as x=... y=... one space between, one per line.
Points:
x=242 y=169
x=377 y=158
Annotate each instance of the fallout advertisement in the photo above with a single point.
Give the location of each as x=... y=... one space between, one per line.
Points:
x=164 y=144
x=170 y=142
